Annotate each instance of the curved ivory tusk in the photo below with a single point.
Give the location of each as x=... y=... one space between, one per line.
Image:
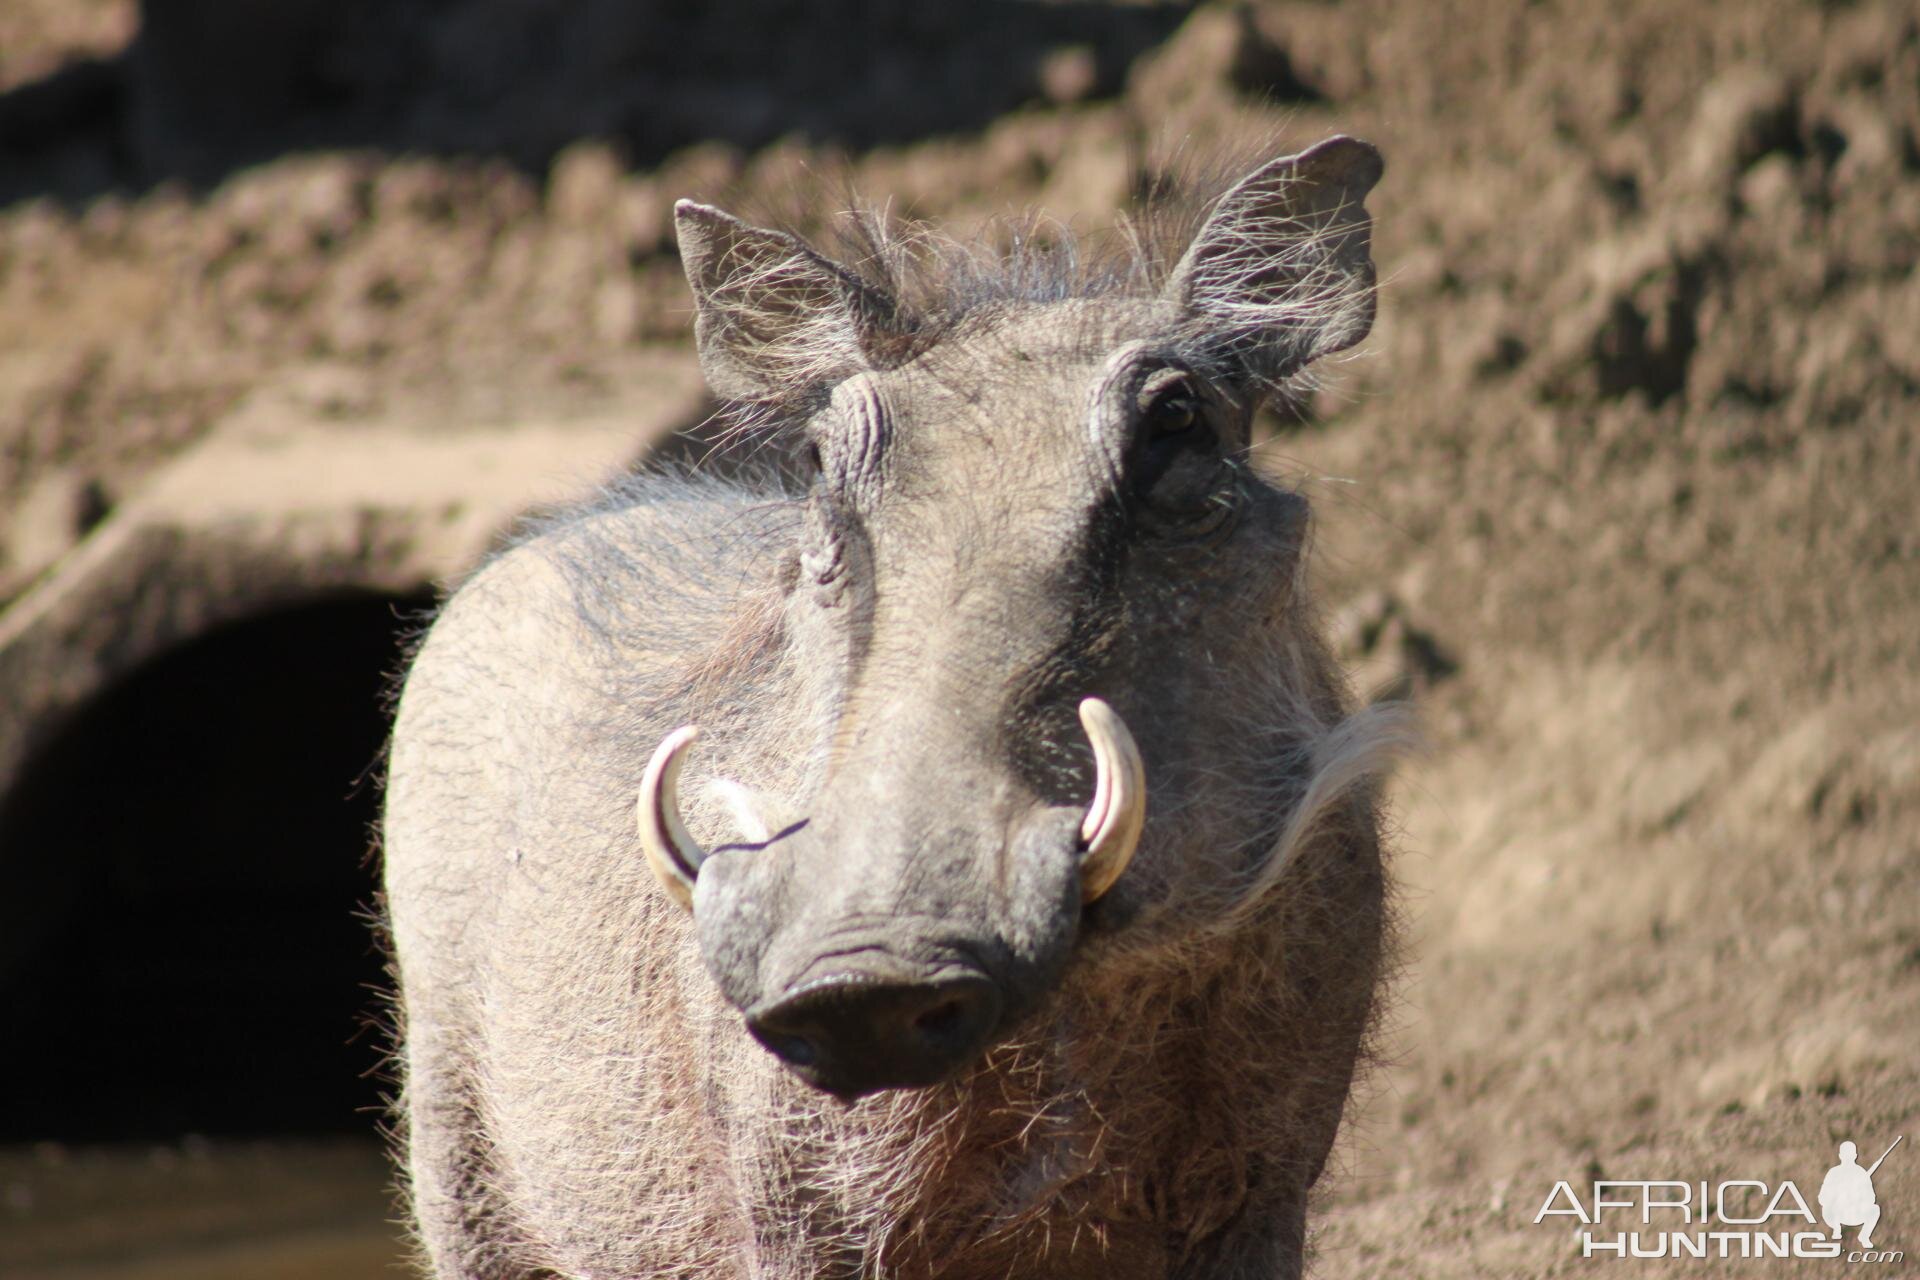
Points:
x=672 y=853
x=1111 y=829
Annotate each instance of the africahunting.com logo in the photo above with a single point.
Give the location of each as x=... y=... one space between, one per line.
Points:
x=1739 y=1218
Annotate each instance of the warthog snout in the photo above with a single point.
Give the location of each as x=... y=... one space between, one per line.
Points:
x=852 y=1033
x=886 y=943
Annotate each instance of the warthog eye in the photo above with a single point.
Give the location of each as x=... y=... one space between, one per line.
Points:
x=1176 y=467
x=1171 y=415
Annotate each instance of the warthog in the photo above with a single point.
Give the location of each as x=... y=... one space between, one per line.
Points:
x=1019 y=912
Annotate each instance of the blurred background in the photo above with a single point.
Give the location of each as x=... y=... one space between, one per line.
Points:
x=302 y=304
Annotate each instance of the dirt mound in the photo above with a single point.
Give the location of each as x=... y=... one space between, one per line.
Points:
x=1620 y=491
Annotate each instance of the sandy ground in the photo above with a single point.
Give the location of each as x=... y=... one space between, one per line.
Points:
x=1621 y=491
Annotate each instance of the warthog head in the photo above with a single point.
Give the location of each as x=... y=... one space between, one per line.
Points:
x=1042 y=612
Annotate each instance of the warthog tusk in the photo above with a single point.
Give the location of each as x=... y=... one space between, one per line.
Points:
x=673 y=854
x=1111 y=829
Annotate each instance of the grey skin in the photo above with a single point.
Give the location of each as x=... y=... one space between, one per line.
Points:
x=890 y=1038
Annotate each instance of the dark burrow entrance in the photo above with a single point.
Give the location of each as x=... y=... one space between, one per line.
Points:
x=184 y=872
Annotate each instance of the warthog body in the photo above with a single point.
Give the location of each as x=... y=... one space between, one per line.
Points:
x=977 y=1041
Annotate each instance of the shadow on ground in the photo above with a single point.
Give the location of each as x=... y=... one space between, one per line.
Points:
x=209 y=86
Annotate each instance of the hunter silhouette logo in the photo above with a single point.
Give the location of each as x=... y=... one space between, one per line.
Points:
x=1846 y=1197
x=1734 y=1218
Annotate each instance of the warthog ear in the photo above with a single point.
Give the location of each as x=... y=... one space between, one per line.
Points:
x=1283 y=264
x=774 y=318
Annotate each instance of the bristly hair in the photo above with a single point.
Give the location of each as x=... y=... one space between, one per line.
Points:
x=936 y=281
x=929 y=282
x=1021 y=258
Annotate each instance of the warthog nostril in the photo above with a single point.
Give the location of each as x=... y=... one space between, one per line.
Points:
x=942 y=1020
x=850 y=1036
x=797 y=1051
